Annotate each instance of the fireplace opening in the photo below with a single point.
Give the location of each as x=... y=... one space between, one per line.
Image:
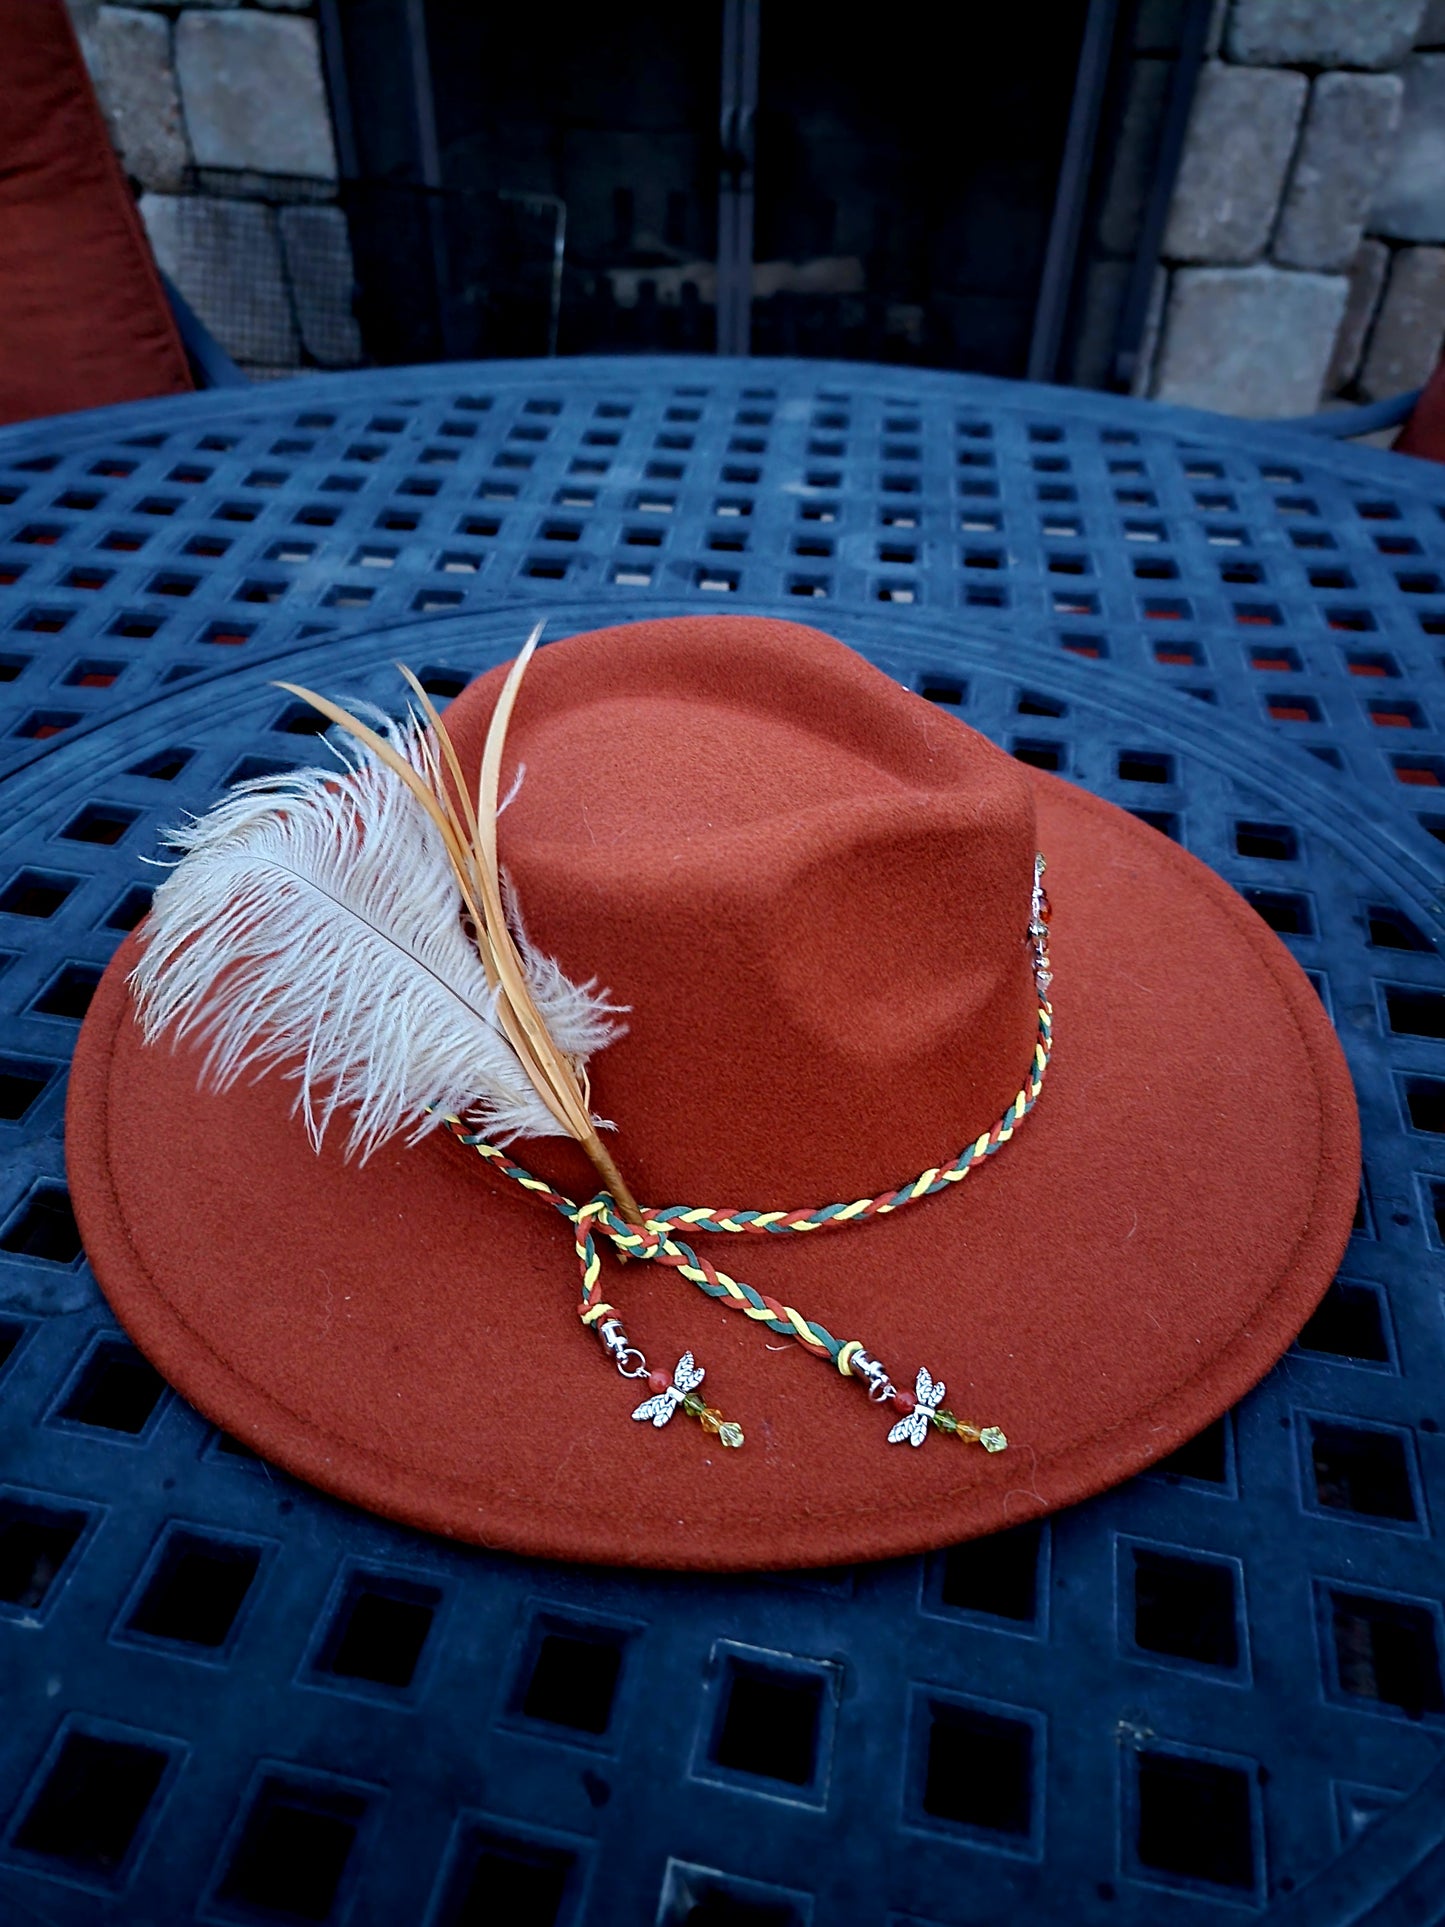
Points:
x=764 y=176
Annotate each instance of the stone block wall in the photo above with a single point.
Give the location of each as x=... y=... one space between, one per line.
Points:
x=1303 y=260
x=219 y=113
x=1304 y=254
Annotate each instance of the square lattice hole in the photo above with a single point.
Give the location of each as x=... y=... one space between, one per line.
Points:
x=41 y=724
x=69 y=993
x=1371 y=664
x=164 y=767
x=130 y=908
x=378 y=1630
x=1283 y=910
x=1366 y=1473
x=1386 y=1651
x=951 y=691
x=44 y=1227
x=1185 y=1608
x=1400 y=714
x=1390 y=929
x=1204 y=1459
x=292 y=1852
x=495 y=1877
x=104 y=823
x=1348 y=1322
x=46 y=620
x=89 y=673
x=116 y=1391
x=1419 y=772
x=697 y=1897
x=1195 y=1819
x=443 y=682
x=90 y=1805
x=1039 y=753
x=1145 y=766
x=300 y=719
x=1272 y=842
x=768 y=1723
x=195 y=1591
x=1000 y=1800
x=37 y=1538
x=228 y=634
x=997 y=1576
x=1425 y=1103
x=569 y=1675
x=22 y=1080
x=1415 y=1013
x=251 y=768
x=1031 y=702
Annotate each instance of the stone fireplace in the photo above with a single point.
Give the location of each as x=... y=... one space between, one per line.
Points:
x=1237 y=204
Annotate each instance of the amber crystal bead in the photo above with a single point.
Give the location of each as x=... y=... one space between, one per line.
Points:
x=711 y=1419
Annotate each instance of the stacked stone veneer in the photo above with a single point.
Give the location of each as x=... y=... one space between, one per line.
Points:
x=1303 y=257
x=220 y=116
x=1304 y=254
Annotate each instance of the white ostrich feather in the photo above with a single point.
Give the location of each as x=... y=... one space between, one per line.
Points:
x=315 y=925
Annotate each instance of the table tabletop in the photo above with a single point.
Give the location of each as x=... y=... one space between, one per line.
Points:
x=229 y=1697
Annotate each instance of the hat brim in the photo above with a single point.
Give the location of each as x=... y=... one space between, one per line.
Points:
x=400 y=1333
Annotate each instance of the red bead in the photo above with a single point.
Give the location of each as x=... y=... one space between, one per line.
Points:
x=905 y=1401
x=659 y=1381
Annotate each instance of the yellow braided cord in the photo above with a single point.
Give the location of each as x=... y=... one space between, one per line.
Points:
x=656 y=1237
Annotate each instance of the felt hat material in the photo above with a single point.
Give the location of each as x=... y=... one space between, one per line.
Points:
x=811 y=889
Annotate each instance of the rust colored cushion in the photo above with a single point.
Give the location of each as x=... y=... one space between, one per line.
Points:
x=809 y=885
x=83 y=316
x=1424 y=433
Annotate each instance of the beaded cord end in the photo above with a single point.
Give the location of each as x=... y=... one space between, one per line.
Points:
x=654 y=1236
x=668 y=1395
x=726 y=1430
x=921 y=1408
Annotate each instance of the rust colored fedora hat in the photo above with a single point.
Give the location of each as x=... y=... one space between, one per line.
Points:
x=816 y=896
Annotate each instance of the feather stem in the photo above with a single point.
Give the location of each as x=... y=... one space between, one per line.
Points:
x=553 y=1067
x=443 y=736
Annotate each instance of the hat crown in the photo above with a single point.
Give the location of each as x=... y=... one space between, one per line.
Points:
x=810 y=888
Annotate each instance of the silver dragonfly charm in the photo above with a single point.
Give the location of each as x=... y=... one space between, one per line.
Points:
x=661 y=1406
x=913 y=1426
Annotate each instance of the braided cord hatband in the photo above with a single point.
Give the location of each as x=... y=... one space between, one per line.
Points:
x=656 y=1238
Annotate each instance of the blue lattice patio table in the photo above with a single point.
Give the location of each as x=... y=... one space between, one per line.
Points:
x=1215 y=1690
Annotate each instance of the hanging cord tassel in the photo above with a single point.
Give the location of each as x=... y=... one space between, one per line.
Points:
x=652 y=1236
